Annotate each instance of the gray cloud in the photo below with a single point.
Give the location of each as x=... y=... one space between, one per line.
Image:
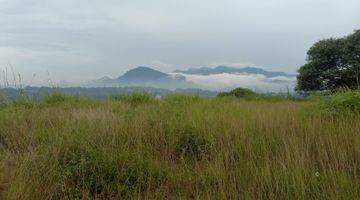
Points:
x=85 y=39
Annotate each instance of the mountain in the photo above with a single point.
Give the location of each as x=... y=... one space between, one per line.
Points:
x=144 y=77
x=143 y=74
x=232 y=70
x=218 y=79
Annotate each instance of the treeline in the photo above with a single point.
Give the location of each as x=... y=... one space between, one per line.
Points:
x=99 y=93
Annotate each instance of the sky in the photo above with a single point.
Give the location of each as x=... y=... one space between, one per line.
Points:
x=87 y=39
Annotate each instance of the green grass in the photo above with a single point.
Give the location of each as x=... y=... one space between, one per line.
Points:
x=181 y=147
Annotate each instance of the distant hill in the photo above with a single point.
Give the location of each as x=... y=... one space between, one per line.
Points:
x=232 y=70
x=182 y=79
x=144 y=77
x=105 y=79
x=143 y=74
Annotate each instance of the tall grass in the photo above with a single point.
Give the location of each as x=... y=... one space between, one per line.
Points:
x=179 y=147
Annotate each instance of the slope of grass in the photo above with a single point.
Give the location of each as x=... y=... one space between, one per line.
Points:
x=179 y=147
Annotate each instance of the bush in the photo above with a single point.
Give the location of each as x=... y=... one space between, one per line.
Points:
x=346 y=100
x=88 y=174
x=242 y=93
x=59 y=99
x=247 y=94
x=95 y=175
x=134 y=98
x=192 y=145
x=238 y=92
x=55 y=99
x=23 y=104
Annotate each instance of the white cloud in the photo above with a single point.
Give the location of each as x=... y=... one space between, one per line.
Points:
x=221 y=82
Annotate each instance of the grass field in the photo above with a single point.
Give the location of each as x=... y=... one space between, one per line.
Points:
x=180 y=147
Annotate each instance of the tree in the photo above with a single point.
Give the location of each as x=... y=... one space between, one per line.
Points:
x=352 y=56
x=239 y=93
x=331 y=64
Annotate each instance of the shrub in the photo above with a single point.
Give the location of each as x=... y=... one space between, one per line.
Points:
x=346 y=100
x=134 y=98
x=85 y=172
x=106 y=175
x=23 y=104
x=59 y=99
x=240 y=93
x=55 y=99
x=193 y=145
x=247 y=94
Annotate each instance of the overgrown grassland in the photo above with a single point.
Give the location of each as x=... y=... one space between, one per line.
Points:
x=179 y=147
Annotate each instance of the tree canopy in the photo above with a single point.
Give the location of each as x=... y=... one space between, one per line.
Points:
x=331 y=63
x=239 y=93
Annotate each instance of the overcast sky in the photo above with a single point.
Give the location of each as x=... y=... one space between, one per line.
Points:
x=84 y=39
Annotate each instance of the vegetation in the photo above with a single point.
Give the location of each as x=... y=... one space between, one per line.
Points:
x=134 y=98
x=332 y=63
x=136 y=147
x=98 y=93
x=342 y=101
x=247 y=94
x=239 y=93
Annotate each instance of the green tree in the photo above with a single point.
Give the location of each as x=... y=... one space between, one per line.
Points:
x=352 y=56
x=331 y=63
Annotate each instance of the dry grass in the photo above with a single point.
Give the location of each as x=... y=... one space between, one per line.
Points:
x=181 y=147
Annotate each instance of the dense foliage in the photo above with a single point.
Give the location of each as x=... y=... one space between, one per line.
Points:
x=247 y=94
x=332 y=63
x=239 y=93
x=342 y=101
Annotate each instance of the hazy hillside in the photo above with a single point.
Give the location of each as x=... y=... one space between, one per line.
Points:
x=144 y=77
x=142 y=74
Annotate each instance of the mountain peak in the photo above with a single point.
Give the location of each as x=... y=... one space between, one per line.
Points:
x=142 y=74
x=105 y=78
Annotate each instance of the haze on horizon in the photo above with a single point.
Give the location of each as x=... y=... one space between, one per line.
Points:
x=86 y=39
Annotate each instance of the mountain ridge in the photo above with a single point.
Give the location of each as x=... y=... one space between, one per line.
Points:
x=149 y=77
x=145 y=76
